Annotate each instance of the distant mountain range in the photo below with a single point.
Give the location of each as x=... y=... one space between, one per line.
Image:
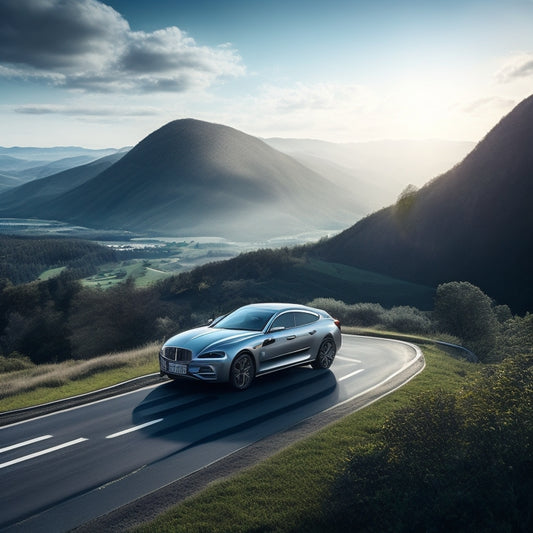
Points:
x=19 y=165
x=371 y=174
x=193 y=178
x=190 y=178
x=378 y=170
x=473 y=223
x=30 y=197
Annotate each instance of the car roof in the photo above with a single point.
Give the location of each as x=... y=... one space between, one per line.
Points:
x=274 y=306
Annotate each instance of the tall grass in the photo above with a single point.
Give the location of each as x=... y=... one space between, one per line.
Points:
x=48 y=382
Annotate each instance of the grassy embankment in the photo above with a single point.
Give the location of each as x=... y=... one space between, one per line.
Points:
x=39 y=384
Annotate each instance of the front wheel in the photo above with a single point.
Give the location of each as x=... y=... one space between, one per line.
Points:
x=326 y=354
x=242 y=372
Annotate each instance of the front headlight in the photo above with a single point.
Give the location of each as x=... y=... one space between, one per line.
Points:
x=212 y=355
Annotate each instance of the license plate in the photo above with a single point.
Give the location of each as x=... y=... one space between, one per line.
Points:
x=176 y=368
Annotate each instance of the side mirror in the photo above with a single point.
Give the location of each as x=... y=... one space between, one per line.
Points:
x=277 y=328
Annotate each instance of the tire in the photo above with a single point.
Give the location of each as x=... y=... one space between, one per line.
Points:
x=242 y=372
x=326 y=354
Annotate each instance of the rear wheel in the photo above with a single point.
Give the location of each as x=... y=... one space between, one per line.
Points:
x=242 y=372
x=326 y=354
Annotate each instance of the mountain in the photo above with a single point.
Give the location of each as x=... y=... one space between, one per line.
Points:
x=36 y=155
x=378 y=170
x=26 y=199
x=7 y=181
x=19 y=165
x=48 y=169
x=196 y=178
x=15 y=164
x=473 y=223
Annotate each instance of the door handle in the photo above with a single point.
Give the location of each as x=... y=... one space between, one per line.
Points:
x=291 y=337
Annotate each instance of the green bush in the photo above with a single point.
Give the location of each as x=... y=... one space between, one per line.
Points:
x=406 y=319
x=447 y=462
x=464 y=310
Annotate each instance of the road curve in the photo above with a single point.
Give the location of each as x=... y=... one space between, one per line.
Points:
x=63 y=470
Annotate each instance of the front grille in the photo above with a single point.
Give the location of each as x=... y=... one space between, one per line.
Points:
x=177 y=354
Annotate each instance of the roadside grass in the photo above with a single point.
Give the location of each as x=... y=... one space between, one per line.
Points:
x=286 y=492
x=46 y=383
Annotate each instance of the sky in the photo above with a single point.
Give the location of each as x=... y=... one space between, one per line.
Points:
x=104 y=74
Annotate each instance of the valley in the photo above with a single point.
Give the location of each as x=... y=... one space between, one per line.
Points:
x=146 y=259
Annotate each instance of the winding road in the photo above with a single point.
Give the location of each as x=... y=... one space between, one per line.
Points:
x=63 y=470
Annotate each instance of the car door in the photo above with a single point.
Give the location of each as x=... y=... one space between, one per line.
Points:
x=286 y=341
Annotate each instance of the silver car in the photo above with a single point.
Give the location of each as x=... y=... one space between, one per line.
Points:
x=251 y=341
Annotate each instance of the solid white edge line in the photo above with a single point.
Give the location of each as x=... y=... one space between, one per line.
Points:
x=81 y=406
x=351 y=374
x=134 y=428
x=42 y=452
x=418 y=355
x=25 y=443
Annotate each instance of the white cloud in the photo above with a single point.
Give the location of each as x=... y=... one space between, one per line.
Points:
x=83 y=111
x=489 y=104
x=516 y=67
x=86 y=45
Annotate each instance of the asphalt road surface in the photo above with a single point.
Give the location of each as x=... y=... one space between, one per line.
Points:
x=62 y=470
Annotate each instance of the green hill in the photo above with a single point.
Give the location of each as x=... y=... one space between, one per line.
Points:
x=195 y=178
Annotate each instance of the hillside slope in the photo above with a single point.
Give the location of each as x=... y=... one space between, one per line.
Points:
x=197 y=178
x=25 y=200
x=473 y=223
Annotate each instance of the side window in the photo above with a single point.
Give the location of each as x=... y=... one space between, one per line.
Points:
x=286 y=320
x=302 y=319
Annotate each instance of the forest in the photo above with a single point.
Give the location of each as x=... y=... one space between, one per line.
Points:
x=60 y=318
x=23 y=259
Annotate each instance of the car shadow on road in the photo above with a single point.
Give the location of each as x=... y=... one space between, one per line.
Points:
x=192 y=413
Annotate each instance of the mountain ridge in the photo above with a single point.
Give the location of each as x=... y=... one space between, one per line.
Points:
x=191 y=177
x=472 y=223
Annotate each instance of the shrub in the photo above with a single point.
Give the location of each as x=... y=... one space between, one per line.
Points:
x=406 y=319
x=366 y=314
x=464 y=310
x=447 y=462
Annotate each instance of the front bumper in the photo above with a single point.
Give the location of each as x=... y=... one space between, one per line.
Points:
x=191 y=370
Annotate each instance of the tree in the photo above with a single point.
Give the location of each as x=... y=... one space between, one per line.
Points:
x=464 y=310
x=406 y=200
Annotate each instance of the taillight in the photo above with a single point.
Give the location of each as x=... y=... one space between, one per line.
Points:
x=337 y=323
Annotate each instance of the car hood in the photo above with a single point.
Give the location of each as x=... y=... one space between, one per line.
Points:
x=206 y=339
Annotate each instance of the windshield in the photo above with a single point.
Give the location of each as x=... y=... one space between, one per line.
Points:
x=245 y=319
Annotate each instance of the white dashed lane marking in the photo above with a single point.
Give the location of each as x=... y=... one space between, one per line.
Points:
x=42 y=452
x=25 y=443
x=351 y=374
x=134 y=428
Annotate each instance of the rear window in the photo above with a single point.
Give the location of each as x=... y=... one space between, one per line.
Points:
x=305 y=318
